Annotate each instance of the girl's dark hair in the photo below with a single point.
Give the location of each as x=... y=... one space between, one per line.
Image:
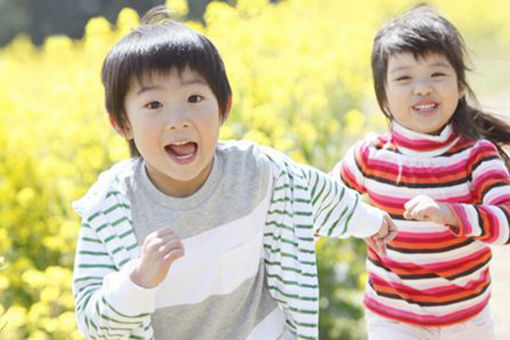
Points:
x=421 y=31
x=160 y=44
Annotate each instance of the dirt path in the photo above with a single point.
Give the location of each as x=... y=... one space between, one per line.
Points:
x=500 y=265
x=500 y=302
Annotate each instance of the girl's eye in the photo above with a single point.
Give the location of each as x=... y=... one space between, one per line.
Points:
x=402 y=78
x=154 y=105
x=195 y=98
x=438 y=74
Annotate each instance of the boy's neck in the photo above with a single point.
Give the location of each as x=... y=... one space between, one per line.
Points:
x=176 y=188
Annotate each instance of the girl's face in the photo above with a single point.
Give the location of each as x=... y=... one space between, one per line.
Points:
x=421 y=94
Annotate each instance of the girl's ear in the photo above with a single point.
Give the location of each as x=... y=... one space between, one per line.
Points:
x=228 y=107
x=122 y=131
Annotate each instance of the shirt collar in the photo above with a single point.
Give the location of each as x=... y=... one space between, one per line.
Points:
x=421 y=144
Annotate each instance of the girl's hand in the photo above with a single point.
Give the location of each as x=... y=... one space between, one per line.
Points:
x=160 y=249
x=424 y=208
x=386 y=233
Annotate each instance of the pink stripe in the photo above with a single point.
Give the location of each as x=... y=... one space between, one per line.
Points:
x=421 y=144
x=345 y=171
x=465 y=226
x=437 y=291
x=425 y=237
x=425 y=320
x=488 y=175
x=501 y=200
x=492 y=230
x=445 y=265
x=409 y=266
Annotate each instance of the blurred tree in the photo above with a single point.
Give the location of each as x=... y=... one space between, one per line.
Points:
x=40 y=19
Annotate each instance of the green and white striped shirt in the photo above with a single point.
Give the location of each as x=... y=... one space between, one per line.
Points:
x=302 y=203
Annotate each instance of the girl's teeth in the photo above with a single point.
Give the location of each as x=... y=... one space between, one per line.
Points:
x=425 y=107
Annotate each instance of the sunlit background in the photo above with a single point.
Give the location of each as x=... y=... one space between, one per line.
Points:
x=301 y=82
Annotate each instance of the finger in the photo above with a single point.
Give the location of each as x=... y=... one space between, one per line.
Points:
x=172 y=256
x=164 y=231
x=372 y=244
x=382 y=247
x=412 y=203
x=392 y=230
x=169 y=246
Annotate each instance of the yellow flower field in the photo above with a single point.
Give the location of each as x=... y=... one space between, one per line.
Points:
x=301 y=82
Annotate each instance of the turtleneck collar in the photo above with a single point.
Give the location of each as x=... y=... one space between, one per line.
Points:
x=421 y=144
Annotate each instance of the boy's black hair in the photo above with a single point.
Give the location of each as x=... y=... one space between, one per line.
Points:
x=421 y=31
x=158 y=45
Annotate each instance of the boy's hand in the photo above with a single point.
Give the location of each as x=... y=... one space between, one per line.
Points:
x=386 y=233
x=424 y=208
x=160 y=249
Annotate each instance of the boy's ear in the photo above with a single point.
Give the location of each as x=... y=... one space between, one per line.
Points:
x=122 y=131
x=228 y=107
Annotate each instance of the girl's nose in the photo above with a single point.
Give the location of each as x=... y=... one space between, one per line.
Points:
x=423 y=88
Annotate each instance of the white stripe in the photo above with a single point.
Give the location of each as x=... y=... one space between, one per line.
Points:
x=271 y=327
x=217 y=261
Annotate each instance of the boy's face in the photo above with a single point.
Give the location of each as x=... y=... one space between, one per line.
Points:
x=174 y=120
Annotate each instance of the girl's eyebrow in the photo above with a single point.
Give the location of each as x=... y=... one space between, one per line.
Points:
x=433 y=64
x=440 y=64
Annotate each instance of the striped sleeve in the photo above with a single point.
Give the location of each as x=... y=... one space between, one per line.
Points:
x=489 y=219
x=338 y=210
x=350 y=169
x=107 y=304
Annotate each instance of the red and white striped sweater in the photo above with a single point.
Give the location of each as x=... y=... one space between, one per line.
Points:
x=431 y=276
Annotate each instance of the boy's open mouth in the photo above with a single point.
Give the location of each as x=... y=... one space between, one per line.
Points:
x=182 y=152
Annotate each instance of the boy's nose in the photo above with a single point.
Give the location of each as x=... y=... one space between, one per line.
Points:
x=177 y=120
x=179 y=124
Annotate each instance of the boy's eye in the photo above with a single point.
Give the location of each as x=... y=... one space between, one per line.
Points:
x=195 y=98
x=154 y=105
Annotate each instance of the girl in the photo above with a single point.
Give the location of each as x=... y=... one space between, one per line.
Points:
x=441 y=175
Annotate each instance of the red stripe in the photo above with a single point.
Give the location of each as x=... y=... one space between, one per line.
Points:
x=428 y=319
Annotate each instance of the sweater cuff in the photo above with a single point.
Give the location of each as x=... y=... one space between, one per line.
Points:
x=127 y=297
x=463 y=227
x=366 y=220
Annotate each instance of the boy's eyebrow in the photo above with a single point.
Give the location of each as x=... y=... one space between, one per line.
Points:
x=143 y=89
x=187 y=82
x=193 y=81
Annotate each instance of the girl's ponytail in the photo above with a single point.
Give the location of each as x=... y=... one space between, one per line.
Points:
x=472 y=123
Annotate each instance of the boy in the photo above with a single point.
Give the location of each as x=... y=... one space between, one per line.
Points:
x=240 y=218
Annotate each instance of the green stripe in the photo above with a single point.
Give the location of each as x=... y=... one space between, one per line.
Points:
x=131 y=247
x=293 y=296
x=292 y=283
x=121 y=314
x=89 y=239
x=119 y=221
x=116 y=206
x=84 y=265
x=93 y=216
x=87 y=252
x=86 y=278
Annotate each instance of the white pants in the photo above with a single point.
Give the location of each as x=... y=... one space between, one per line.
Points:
x=481 y=327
